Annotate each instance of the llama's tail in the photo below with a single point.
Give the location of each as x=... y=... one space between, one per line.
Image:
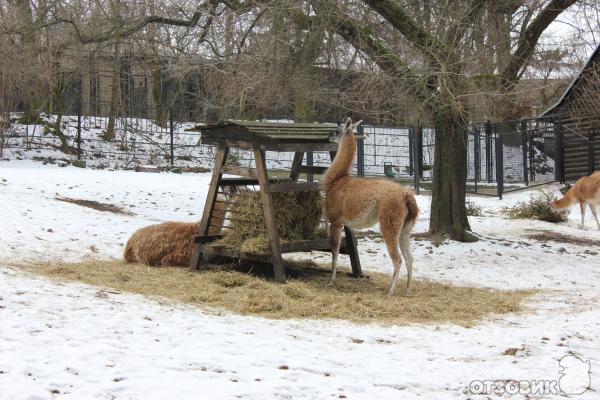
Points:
x=413 y=209
x=565 y=201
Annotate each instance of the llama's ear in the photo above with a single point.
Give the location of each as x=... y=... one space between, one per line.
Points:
x=348 y=123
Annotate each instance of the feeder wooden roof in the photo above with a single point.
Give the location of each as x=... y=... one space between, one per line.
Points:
x=278 y=136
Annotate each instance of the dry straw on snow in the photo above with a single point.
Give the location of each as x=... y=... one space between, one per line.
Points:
x=298 y=215
x=245 y=290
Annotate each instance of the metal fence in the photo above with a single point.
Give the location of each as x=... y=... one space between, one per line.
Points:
x=500 y=157
x=511 y=155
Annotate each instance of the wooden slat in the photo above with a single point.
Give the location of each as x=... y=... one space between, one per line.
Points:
x=300 y=146
x=209 y=205
x=206 y=238
x=240 y=171
x=249 y=181
x=269 y=212
x=294 y=187
x=227 y=252
x=294 y=247
x=312 y=169
x=306 y=245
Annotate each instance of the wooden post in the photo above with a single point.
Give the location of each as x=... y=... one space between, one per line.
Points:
x=294 y=173
x=209 y=205
x=269 y=212
x=352 y=251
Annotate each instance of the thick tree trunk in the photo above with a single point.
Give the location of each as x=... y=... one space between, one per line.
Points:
x=448 y=210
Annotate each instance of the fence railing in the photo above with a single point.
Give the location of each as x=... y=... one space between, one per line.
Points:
x=500 y=157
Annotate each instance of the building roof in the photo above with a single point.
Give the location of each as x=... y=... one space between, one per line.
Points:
x=570 y=102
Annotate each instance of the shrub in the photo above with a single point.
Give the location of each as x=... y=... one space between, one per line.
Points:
x=565 y=188
x=537 y=207
x=473 y=210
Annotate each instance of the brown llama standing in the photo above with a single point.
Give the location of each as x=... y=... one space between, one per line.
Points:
x=359 y=202
x=585 y=191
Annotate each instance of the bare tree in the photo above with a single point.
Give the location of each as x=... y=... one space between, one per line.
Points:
x=438 y=59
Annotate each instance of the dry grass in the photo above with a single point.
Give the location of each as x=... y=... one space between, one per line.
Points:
x=550 y=236
x=96 y=205
x=248 y=290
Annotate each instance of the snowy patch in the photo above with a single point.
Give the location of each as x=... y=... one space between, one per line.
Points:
x=74 y=341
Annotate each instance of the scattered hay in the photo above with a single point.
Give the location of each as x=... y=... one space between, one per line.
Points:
x=547 y=236
x=248 y=290
x=96 y=205
x=538 y=207
x=298 y=216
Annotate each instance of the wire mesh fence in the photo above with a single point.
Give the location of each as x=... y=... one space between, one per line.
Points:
x=500 y=157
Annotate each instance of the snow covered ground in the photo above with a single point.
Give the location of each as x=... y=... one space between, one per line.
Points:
x=74 y=341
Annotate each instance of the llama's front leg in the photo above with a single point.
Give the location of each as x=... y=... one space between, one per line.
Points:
x=335 y=237
x=408 y=258
x=593 y=210
x=582 y=208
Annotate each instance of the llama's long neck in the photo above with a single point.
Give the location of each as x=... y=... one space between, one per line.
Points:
x=342 y=162
x=566 y=200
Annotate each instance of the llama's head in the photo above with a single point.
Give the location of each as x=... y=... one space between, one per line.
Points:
x=564 y=202
x=349 y=127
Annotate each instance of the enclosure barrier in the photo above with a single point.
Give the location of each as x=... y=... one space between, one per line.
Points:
x=501 y=157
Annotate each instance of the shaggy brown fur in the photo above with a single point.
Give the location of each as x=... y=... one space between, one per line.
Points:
x=362 y=202
x=585 y=191
x=169 y=243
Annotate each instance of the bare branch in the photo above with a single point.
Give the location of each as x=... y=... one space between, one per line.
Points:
x=529 y=39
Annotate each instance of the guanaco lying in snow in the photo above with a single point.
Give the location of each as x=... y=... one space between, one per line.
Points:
x=585 y=191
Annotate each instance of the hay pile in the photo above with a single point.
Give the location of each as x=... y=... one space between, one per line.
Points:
x=298 y=216
x=248 y=289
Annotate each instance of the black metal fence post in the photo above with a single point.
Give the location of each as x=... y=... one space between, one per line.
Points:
x=499 y=166
x=531 y=158
x=488 y=151
x=79 y=130
x=416 y=162
x=310 y=161
x=419 y=155
x=591 y=155
x=411 y=151
x=525 y=144
x=559 y=153
x=171 y=133
x=360 y=152
x=476 y=155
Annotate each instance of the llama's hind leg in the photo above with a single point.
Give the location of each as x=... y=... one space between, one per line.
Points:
x=335 y=237
x=593 y=210
x=391 y=241
x=408 y=258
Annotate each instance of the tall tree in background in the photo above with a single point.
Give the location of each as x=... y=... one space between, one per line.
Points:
x=439 y=80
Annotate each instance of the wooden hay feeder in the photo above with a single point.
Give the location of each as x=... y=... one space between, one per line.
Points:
x=258 y=138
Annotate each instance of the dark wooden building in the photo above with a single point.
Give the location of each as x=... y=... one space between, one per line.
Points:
x=576 y=118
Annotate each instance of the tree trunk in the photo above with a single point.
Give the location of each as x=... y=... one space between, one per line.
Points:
x=448 y=209
x=115 y=98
